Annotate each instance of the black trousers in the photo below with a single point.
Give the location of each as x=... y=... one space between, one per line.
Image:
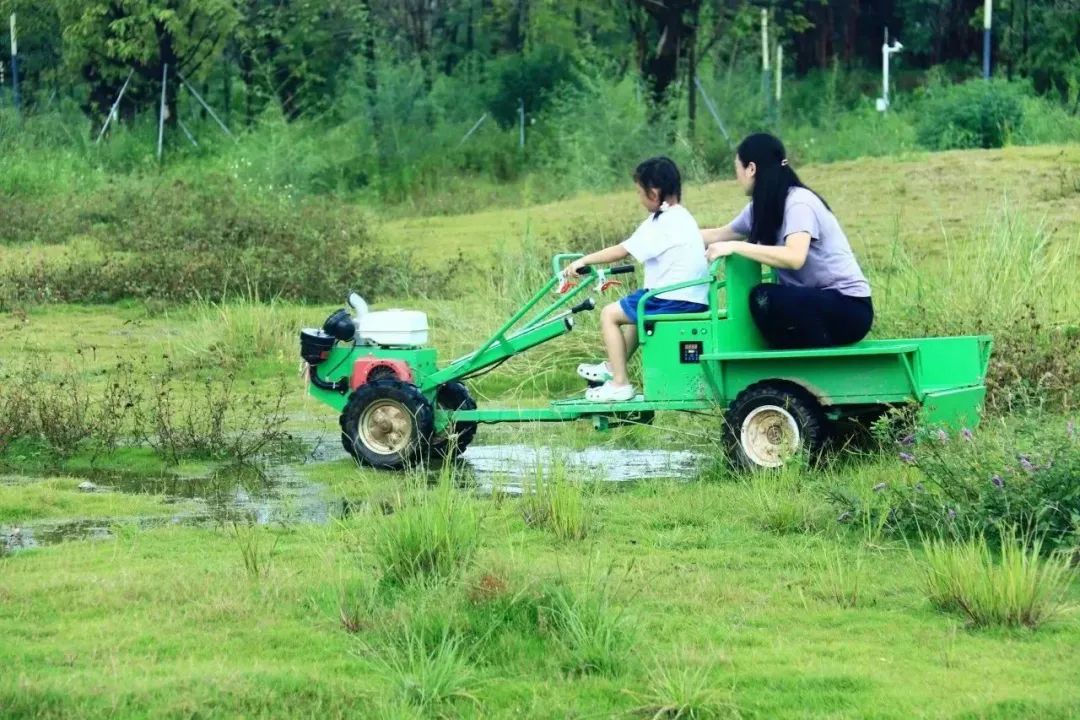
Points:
x=797 y=317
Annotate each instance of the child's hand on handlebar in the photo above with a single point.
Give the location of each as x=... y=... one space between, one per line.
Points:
x=571 y=271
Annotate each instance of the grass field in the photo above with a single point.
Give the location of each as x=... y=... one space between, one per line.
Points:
x=695 y=593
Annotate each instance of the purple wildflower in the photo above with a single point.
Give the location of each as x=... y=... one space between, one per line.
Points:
x=908 y=458
x=880 y=486
x=997 y=482
x=907 y=440
x=1025 y=463
x=966 y=434
x=844 y=517
x=951 y=514
x=941 y=435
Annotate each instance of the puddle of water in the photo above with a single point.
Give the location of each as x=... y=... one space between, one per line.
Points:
x=517 y=462
x=283 y=492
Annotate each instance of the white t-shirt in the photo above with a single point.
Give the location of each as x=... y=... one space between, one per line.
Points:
x=672 y=251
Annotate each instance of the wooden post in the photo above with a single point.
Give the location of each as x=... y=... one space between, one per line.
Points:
x=988 y=11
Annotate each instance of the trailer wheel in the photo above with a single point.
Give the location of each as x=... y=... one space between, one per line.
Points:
x=769 y=422
x=387 y=424
x=457 y=436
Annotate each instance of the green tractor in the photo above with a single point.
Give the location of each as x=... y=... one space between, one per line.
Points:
x=399 y=406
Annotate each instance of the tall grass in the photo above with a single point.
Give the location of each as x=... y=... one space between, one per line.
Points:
x=428 y=675
x=676 y=693
x=840 y=579
x=1010 y=278
x=780 y=501
x=237 y=331
x=595 y=634
x=256 y=545
x=1018 y=588
x=556 y=502
x=430 y=540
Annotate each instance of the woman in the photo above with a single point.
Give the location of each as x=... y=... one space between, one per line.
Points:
x=821 y=297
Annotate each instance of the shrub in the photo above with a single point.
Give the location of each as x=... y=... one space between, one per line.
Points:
x=974 y=114
x=185 y=241
x=986 y=484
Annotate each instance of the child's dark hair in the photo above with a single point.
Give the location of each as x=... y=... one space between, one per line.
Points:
x=772 y=183
x=660 y=174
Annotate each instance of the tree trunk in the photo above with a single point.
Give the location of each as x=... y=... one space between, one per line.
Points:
x=691 y=72
x=660 y=67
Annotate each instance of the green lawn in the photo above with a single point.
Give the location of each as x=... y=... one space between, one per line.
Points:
x=167 y=623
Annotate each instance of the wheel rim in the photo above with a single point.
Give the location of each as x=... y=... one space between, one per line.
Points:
x=769 y=436
x=385 y=427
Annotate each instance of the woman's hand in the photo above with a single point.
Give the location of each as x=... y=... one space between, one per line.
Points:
x=722 y=249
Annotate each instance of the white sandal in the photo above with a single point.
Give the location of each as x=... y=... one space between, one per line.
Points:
x=609 y=392
x=600 y=372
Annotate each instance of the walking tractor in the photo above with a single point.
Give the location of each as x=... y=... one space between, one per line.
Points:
x=399 y=405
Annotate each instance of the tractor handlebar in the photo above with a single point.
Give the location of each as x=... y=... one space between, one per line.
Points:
x=617 y=270
x=586 y=304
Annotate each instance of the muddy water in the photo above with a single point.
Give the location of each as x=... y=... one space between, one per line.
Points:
x=283 y=493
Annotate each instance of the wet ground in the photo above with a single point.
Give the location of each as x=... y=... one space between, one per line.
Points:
x=285 y=493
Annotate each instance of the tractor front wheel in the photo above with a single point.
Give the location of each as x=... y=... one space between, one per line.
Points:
x=768 y=423
x=387 y=424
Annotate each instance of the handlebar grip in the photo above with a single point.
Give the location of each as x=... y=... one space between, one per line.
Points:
x=586 y=304
x=584 y=270
x=621 y=270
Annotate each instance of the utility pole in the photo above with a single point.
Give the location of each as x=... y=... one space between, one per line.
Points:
x=15 y=66
x=988 y=11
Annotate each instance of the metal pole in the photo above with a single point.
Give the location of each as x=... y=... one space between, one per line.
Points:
x=765 y=57
x=885 y=69
x=779 y=78
x=202 y=102
x=112 y=110
x=521 y=124
x=473 y=129
x=712 y=111
x=15 y=66
x=161 y=114
x=988 y=11
x=187 y=132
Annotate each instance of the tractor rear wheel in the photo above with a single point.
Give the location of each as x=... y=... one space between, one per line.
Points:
x=387 y=424
x=452 y=441
x=770 y=422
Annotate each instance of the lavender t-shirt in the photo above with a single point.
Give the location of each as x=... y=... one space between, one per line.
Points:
x=830 y=264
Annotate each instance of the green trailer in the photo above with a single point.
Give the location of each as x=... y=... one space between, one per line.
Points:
x=399 y=405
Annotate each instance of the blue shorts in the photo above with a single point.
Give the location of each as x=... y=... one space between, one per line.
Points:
x=657 y=306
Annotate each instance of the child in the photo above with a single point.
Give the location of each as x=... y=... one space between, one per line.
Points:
x=668 y=243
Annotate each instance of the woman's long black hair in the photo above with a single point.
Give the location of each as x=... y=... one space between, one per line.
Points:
x=772 y=183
